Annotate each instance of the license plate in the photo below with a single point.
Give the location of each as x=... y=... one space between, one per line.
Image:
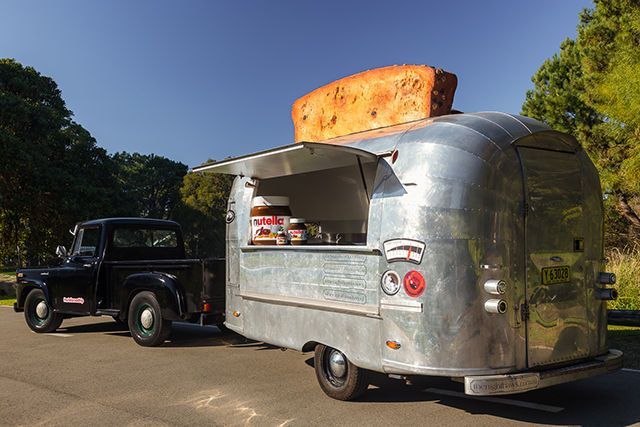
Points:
x=554 y=275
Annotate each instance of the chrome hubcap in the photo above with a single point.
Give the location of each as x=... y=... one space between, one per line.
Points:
x=337 y=364
x=146 y=318
x=42 y=310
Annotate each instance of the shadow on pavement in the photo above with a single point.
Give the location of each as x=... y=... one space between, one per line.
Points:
x=606 y=400
x=182 y=335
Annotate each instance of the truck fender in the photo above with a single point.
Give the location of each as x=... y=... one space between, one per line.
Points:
x=166 y=288
x=27 y=286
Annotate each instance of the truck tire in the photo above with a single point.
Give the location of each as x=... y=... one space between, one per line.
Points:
x=39 y=315
x=146 y=324
x=338 y=377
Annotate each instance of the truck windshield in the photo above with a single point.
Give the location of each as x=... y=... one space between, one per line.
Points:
x=86 y=242
x=144 y=238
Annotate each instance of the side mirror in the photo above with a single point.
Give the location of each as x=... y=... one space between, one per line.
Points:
x=61 y=251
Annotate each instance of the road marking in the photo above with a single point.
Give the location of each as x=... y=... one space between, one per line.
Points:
x=512 y=402
x=637 y=371
x=56 y=334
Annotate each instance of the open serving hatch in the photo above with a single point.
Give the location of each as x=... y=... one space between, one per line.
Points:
x=329 y=185
x=291 y=160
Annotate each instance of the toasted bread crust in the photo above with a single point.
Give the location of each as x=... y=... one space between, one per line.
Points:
x=373 y=99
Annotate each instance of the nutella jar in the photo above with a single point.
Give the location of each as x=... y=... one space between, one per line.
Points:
x=269 y=215
x=297 y=231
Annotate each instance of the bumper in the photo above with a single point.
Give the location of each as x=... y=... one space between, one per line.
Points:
x=486 y=385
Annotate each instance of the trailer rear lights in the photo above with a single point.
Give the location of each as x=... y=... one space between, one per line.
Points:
x=607 y=278
x=414 y=284
x=390 y=282
x=496 y=306
x=393 y=345
x=236 y=314
x=394 y=156
x=495 y=287
x=206 y=307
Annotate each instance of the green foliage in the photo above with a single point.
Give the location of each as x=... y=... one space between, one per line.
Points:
x=52 y=173
x=150 y=184
x=591 y=89
x=203 y=211
x=626 y=265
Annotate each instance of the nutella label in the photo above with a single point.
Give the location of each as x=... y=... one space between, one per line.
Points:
x=267 y=227
x=297 y=235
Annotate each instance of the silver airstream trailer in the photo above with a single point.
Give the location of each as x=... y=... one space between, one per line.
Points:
x=468 y=246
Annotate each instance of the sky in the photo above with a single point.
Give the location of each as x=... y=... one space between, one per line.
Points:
x=195 y=80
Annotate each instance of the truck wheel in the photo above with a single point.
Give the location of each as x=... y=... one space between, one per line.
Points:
x=146 y=324
x=338 y=377
x=39 y=315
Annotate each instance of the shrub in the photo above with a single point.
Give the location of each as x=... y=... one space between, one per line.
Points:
x=625 y=264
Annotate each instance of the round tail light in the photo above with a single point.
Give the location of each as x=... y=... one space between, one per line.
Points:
x=414 y=284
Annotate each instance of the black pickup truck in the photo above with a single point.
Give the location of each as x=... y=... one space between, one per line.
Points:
x=132 y=269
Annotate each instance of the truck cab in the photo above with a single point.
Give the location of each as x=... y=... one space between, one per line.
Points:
x=132 y=269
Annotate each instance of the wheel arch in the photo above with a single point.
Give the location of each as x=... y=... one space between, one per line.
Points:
x=31 y=286
x=166 y=289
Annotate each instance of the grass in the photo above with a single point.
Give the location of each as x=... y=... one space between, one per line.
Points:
x=625 y=264
x=9 y=301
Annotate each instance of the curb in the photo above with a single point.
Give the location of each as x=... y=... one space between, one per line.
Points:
x=624 y=317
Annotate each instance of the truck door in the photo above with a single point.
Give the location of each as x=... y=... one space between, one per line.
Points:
x=72 y=286
x=557 y=326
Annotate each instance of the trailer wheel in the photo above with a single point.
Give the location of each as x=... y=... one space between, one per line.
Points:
x=146 y=324
x=39 y=315
x=338 y=377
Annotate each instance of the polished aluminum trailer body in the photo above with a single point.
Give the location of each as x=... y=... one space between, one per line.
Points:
x=488 y=196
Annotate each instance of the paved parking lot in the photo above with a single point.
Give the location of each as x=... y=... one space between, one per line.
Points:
x=92 y=373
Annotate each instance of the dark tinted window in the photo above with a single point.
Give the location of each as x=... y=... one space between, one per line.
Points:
x=144 y=238
x=86 y=243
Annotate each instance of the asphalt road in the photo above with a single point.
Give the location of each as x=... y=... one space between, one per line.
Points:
x=92 y=373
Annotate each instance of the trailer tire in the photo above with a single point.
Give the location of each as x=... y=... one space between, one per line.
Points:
x=146 y=324
x=39 y=316
x=338 y=377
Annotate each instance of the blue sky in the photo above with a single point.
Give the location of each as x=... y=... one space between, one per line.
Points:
x=192 y=80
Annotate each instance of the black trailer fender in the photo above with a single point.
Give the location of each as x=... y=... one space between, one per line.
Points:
x=27 y=285
x=166 y=288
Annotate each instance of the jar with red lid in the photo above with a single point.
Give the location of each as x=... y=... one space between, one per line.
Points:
x=297 y=231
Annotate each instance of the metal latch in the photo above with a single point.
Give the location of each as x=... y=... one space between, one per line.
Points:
x=524 y=311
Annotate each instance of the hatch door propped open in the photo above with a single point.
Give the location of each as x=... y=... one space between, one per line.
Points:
x=291 y=160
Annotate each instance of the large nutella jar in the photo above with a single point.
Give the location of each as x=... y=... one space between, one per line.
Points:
x=297 y=231
x=269 y=215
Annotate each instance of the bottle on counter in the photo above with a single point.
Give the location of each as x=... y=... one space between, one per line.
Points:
x=281 y=238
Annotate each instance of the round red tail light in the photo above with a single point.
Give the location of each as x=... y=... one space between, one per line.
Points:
x=414 y=284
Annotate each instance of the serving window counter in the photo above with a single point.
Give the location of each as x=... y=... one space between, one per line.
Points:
x=327 y=188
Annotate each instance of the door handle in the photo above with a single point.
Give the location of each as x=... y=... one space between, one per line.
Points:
x=87 y=265
x=556 y=259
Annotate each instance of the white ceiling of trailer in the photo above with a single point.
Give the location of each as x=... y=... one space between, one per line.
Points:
x=290 y=160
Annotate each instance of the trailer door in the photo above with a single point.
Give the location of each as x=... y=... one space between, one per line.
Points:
x=557 y=325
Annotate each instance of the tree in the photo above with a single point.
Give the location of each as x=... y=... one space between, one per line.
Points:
x=150 y=184
x=52 y=173
x=592 y=90
x=203 y=211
